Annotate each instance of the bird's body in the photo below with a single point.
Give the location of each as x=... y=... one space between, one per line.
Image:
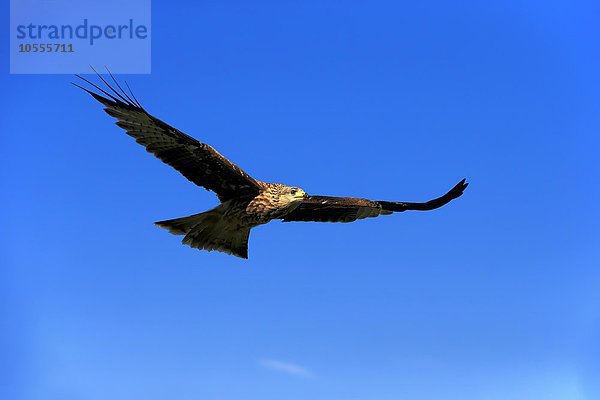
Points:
x=245 y=201
x=226 y=227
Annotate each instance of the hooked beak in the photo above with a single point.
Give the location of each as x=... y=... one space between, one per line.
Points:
x=305 y=196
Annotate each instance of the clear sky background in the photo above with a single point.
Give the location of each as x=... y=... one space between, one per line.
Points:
x=495 y=296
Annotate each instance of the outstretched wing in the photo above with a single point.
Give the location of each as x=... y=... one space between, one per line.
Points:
x=197 y=161
x=349 y=209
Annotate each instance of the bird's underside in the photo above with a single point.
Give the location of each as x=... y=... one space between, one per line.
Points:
x=245 y=201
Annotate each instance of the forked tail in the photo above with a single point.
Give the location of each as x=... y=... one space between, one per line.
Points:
x=211 y=231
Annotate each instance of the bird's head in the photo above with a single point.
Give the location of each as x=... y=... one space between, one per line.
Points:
x=294 y=194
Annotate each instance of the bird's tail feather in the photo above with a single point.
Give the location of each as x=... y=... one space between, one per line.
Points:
x=211 y=231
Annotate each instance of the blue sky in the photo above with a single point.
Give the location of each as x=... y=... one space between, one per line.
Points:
x=495 y=296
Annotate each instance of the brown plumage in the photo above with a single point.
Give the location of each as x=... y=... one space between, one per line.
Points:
x=245 y=201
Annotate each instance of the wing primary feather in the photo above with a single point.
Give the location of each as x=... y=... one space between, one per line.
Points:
x=120 y=96
x=452 y=194
x=81 y=87
x=133 y=95
x=119 y=86
x=113 y=98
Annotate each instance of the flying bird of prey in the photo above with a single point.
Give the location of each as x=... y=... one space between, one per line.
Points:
x=245 y=202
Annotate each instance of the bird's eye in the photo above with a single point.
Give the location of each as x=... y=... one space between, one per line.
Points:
x=293 y=191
